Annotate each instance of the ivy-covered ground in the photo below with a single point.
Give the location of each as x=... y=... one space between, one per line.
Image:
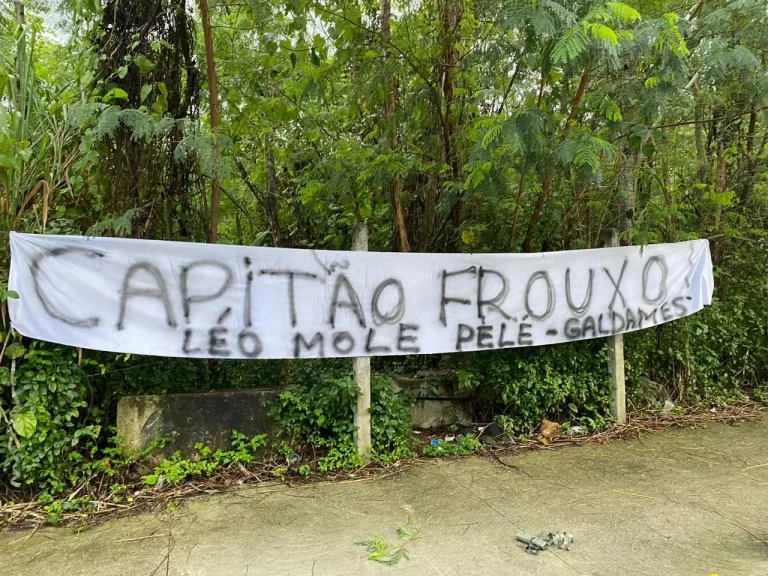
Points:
x=680 y=501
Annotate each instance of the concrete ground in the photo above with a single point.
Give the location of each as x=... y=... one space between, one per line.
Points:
x=684 y=502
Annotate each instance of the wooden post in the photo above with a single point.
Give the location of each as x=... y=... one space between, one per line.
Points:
x=616 y=364
x=362 y=370
x=213 y=229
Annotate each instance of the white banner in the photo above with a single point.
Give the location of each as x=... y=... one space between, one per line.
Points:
x=217 y=301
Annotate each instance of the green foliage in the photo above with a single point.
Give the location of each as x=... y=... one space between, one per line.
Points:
x=49 y=400
x=566 y=382
x=463 y=446
x=713 y=357
x=505 y=127
x=320 y=413
x=390 y=422
x=384 y=552
x=205 y=462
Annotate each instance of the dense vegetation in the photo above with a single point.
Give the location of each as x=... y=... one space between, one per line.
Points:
x=444 y=125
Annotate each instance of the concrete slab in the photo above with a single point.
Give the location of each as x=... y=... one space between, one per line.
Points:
x=186 y=419
x=686 y=502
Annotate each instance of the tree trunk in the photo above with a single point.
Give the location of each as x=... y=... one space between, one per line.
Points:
x=213 y=228
x=546 y=186
x=450 y=58
x=401 y=232
x=20 y=58
x=430 y=208
x=751 y=163
x=270 y=202
x=627 y=192
x=701 y=151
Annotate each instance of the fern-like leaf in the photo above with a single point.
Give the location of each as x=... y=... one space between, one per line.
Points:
x=602 y=32
x=543 y=23
x=566 y=16
x=570 y=46
x=612 y=111
x=491 y=135
x=624 y=12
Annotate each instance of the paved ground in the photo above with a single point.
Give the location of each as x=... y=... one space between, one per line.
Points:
x=691 y=502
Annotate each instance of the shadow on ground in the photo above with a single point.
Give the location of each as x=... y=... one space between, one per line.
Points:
x=684 y=502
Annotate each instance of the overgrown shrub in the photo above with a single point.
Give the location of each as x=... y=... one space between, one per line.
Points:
x=566 y=382
x=320 y=414
x=52 y=428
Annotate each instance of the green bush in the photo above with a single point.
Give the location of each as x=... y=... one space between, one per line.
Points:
x=390 y=422
x=320 y=414
x=711 y=357
x=566 y=382
x=54 y=429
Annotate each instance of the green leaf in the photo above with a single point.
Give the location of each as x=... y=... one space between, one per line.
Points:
x=612 y=111
x=12 y=294
x=145 y=90
x=571 y=44
x=115 y=94
x=603 y=32
x=624 y=12
x=161 y=102
x=145 y=64
x=25 y=424
x=15 y=350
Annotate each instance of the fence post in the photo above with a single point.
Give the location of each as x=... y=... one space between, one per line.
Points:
x=362 y=369
x=616 y=365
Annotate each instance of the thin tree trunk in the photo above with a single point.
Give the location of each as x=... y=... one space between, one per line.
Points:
x=401 y=232
x=718 y=249
x=213 y=229
x=546 y=186
x=627 y=191
x=430 y=207
x=270 y=202
x=749 y=176
x=450 y=21
x=20 y=58
x=520 y=188
x=701 y=149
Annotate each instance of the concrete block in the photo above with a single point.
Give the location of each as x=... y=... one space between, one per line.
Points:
x=207 y=417
x=438 y=399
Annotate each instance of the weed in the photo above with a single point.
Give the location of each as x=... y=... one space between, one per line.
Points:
x=382 y=551
x=463 y=446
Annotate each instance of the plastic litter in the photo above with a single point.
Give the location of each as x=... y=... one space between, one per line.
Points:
x=576 y=431
x=535 y=543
